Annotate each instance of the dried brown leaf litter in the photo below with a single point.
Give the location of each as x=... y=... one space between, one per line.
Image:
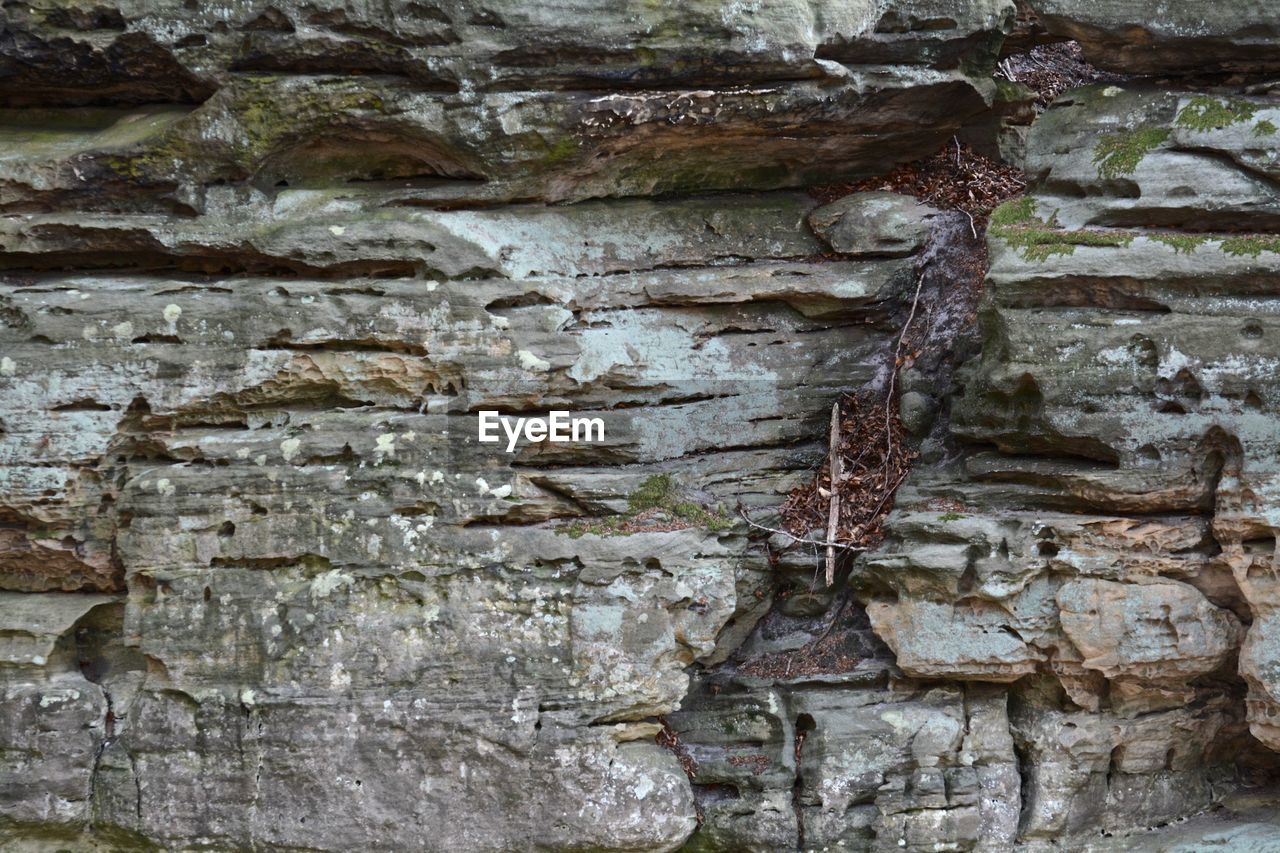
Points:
x=1051 y=69
x=873 y=454
x=831 y=654
x=955 y=178
x=875 y=459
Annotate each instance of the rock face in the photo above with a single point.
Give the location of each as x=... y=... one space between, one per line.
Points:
x=262 y=585
x=1157 y=36
x=490 y=102
x=1110 y=540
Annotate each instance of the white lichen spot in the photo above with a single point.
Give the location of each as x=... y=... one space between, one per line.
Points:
x=1173 y=362
x=327 y=582
x=437 y=477
x=1112 y=91
x=122 y=331
x=164 y=487
x=385 y=446
x=260 y=460
x=55 y=696
x=337 y=230
x=501 y=492
x=529 y=361
x=7 y=366
x=289 y=448
x=421 y=477
x=172 y=313
x=248 y=697
x=1116 y=357
x=643 y=788
x=481 y=485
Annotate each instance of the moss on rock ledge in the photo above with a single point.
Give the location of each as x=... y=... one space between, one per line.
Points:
x=1016 y=223
x=655 y=505
x=1119 y=153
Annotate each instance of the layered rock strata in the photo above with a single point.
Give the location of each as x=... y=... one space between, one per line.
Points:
x=1103 y=540
x=263 y=264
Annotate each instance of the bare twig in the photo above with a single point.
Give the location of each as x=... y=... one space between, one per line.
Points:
x=890 y=492
x=833 y=511
x=758 y=526
x=897 y=363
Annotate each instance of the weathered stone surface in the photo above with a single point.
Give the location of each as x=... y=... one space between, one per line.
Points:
x=271 y=416
x=805 y=761
x=1161 y=630
x=1107 y=533
x=1150 y=37
x=262 y=264
x=873 y=223
x=303 y=492
x=60 y=662
x=1091 y=772
x=1143 y=158
x=489 y=102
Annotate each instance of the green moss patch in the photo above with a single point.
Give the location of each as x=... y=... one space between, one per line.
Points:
x=1205 y=113
x=1015 y=211
x=1120 y=153
x=1183 y=243
x=1266 y=127
x=1251 y=245
x=656 y=505
x=1015 y=222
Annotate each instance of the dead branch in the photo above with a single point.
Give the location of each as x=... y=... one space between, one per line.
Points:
x=844 y=546
x=833 y=513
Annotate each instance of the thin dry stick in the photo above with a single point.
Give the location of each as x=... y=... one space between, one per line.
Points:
x=742 y=513
x=893 y=376
x=833 y=512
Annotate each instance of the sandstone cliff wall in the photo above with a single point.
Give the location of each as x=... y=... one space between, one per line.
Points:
x=263 y=261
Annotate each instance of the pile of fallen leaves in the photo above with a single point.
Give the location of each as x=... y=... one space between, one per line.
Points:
x=955 y=178
x=875 y=460
x=833 y=653
x=1051 y=69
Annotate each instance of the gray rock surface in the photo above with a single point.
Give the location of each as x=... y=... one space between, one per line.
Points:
x=263 y=263
x=1106 y=538
x=1168 y=36
x=873 y=223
